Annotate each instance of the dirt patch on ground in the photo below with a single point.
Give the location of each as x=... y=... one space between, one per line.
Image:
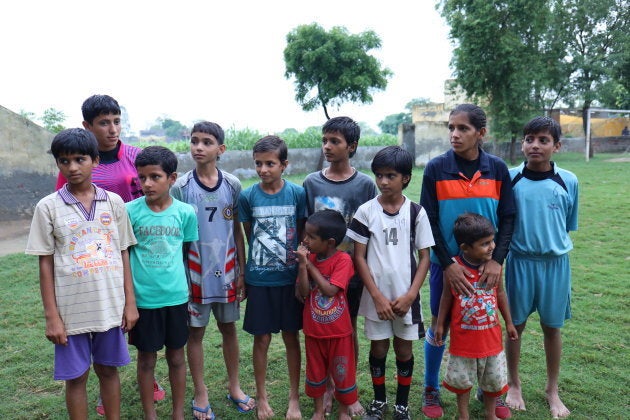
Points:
x=13 y=236
x=623 y=159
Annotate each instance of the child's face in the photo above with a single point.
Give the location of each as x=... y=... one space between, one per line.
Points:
x=313 y=241
x=390 y=182
x=480 y=251
x=205 y=148
x=538 y=149
x=76 y=168
x=335 y=147
x=155 y=183
x=106 y=128
x=464 y=136
x=269 y=167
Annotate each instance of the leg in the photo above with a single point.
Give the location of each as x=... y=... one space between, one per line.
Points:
x=318 y=409
x=194 y=350
x=231 y=356
x=356 y=408
x=294 y=361
x=404 y=369
x=76 y=397
x=259 y=353
x=553 y=353
x=489 y=407
x=146 y=369
x=109 y=382
x=177 y=376
x=514 y=397
x=462 y=405
x=431 y=405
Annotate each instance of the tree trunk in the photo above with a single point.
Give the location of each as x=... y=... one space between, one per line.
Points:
x=585 y=108
x=512 y=151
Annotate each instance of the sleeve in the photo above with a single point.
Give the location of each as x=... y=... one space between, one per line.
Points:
x=126 y=237
x=506 y=215
x=301 y=204
x=244 y=209
x=358 y=229
x=342 y=271
x=191 y=231
x=428 y=201
x=310 y=200
x=41 y=239
x=424 y=236
x=572 y=217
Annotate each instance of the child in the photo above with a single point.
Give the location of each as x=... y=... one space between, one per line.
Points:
x=216 y=263
x=323 y=277
x=476 y=349
x=162 y=226
x=81 y=234
x=273 y=214
x=464 y=179
x=386 y=230
x=537 y=271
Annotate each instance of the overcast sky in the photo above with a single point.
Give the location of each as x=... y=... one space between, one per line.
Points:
x=216 y=60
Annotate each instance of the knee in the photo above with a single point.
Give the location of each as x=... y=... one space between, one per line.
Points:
x=175 y=358
x=105 y=372
x=146 y=361
x=227 y=329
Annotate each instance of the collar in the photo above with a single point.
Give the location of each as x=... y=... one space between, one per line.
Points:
x=450 y=164
x=69 y=198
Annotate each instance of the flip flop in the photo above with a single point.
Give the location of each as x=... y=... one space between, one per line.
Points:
x=201 y=410
x=237 y=403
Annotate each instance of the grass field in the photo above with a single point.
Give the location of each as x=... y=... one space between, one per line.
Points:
x=594 y=374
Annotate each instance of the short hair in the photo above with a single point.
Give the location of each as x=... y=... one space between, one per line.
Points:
x=157 y=155
x=347 y=127
x=74 y=140
x=476 y=115
x=470 y=227
x=97 y=105
x=211 y=128
x=329 y=223
x=539 y=124
x=394 y=157
x=272 y=144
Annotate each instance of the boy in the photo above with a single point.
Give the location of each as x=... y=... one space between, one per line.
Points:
x=386 y=230
x=537 y=272
x=81 y=234
x=216 y=263
x=341 y=187
x=476 y=349
x=162 y=226
x=323 y=277
x=273 y=214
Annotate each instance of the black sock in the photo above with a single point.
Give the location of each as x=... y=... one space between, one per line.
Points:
x=404 y=371
x=377 y=370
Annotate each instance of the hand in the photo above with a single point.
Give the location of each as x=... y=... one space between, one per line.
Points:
x=511 y=332
x=490 y=274
x=455 y=275
x=401 y=305
x=56 y=331
x=241 y=294
x=130 y=317
x=384 y=308
x=302 y=254
x=439 y=331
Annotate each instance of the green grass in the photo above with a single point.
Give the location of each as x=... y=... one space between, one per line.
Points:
x=594 y=374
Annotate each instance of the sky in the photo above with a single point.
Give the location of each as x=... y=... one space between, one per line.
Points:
x=193 y=60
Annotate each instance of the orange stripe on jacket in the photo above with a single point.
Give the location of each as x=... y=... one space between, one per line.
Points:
x=462 y=188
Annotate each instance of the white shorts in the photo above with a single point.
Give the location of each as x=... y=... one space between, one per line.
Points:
x=382 y=330
x=223 y=312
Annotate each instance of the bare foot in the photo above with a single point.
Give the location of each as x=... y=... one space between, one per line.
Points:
x=557 y=408
x=293 y=412
x=328 y=401
x=514 y=399
x=318 y=416
x=356 y=409
x=263 y=410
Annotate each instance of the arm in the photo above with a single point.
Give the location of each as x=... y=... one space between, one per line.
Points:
x=401 y=305
x=239 y=241
x=55 y=329
x=446 y=301
x=491 y=271
x=303 y=287
x=382 y=304
x=504 y=308
x=130 y=312
x=247 y=231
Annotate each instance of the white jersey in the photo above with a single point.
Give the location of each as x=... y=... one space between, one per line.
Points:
x=391 y=253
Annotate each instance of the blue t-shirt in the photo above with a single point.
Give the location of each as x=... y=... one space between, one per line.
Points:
x=274 y=235
x=157 y=262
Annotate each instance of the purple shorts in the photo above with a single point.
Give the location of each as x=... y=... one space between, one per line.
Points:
x=108 y=348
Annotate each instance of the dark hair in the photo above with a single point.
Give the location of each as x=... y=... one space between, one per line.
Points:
x=157 y=155
x=396 y=158
x=470 y=227
x=348 y=128
x=539 y=124
x=476 y=115
x=74 y=140
x=272 y=144
x=97 y=105
x=211 y=128
x=329 y=223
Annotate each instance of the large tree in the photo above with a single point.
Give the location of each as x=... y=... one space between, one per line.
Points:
x=333 y=67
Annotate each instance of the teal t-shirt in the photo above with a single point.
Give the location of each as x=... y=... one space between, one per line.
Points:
x=157 y=263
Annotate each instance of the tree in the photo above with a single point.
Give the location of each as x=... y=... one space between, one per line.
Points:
x=333 y=67
x=391 y=122
x=53 y=119
x=417 y=102
x=174 y=130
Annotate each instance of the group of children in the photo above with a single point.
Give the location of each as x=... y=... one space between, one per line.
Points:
x=319 y=255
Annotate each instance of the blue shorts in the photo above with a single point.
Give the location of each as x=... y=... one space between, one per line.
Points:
x=540 y=284
x=272 y=309
x=436 y=285
x=107 y=348
x=159 y=327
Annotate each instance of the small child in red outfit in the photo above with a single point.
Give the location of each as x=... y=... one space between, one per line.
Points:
x=323 y=276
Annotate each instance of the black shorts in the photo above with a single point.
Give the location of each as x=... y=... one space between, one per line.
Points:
x=156 y=328
x=272 y=309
